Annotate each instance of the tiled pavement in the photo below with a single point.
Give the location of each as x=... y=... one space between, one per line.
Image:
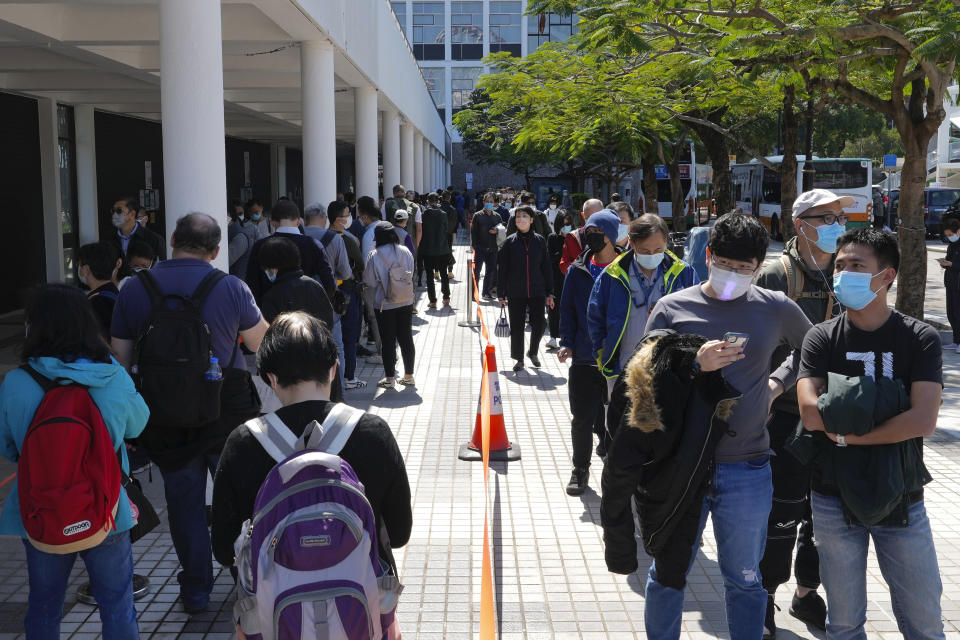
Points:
x=550 y=579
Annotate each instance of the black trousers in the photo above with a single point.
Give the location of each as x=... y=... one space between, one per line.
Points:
x=439 y=263
x=396 y=327
x=587 y=390
x=953 y=309
x=789 y=515
x=517 y=311
x=486 y=257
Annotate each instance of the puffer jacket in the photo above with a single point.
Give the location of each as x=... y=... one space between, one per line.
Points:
x=662 y=454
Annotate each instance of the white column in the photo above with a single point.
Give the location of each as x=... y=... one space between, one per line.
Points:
x=391 y=151
x=408 y=165
x=319 y=129
x=50 y=185
x=418 y=167
x=191 y=102
x=278 y=171
x=366 y=145
x=425 y=152
x=86 y=140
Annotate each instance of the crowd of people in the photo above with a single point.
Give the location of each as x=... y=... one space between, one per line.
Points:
x=785 y=400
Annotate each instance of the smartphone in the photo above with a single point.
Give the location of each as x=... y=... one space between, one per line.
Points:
x=736 y=339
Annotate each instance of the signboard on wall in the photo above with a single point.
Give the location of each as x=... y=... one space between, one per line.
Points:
x=469 y=179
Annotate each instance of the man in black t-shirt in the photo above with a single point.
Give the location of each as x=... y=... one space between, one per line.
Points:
x=869 y=339
x=97 y=266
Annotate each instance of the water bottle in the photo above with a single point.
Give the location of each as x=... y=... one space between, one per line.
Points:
x=214 y=373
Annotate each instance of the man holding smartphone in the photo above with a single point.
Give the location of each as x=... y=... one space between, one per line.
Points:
x=740 y=491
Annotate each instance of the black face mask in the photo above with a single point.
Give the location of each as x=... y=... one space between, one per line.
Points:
x=595 y=241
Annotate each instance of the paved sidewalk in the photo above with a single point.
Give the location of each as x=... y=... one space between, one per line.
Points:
x=550 y=578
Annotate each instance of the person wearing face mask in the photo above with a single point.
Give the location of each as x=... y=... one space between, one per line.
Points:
x=735 y=485
x=626 y=292
x=869 y=340
x=140 y=257
x=241 y=236
x=97 y=267
x=553 y=208
x=123 y=217
x=561 y=226
x=298 y=359
x=586 y=386
x=625 y=211
x=483 y=239
x=803 y=273
x=340 y=223
x=524 y=283
x=573 y=244
x=951 y=281
x=255 y=217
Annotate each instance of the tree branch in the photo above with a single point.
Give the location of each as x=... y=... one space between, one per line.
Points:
x=855 y=93
x=724 y=132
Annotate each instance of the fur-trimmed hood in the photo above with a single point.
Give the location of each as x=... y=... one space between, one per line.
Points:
x=662 y=361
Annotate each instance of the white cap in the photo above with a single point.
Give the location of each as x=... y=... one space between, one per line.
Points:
x=817 y=197
x=400 y=214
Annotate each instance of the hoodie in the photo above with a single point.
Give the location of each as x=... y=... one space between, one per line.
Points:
x=124 y=412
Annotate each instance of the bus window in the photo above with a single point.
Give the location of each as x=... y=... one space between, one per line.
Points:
x=840 y=174
x=771 y=186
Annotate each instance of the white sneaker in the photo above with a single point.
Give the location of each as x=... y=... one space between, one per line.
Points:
x=552 y=344
x=355 y=383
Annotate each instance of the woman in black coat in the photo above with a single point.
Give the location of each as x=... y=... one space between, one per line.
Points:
x=561 y=225
x=524 y=284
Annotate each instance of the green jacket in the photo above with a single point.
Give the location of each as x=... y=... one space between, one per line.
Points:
x=813 y=299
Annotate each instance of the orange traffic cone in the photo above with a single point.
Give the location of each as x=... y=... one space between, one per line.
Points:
x=500 y=447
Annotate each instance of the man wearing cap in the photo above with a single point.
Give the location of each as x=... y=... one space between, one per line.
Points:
x=586 y=385
x=804 y=273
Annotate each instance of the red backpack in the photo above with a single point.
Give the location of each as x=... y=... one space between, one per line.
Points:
x=68 y=476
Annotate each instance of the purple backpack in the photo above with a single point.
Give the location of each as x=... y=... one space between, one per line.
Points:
x=308 y=560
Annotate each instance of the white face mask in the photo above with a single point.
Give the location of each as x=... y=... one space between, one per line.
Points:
x=622 y=232
x=347 y=221
x=553 y=207
x=118 y=220
x=727 y=284
x=83 y=280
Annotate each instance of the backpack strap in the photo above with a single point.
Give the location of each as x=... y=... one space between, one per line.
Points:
x=328 y=237
x=205 y=288
x=45 y=383
x=332 y=435
x=151 y=287
x=274 y=436
x=794 y=277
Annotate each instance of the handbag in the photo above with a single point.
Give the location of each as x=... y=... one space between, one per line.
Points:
x=502 y=328
x=145 y=518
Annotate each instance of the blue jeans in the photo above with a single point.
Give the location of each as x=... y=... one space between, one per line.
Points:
x=186 y=492
x=908 y=562
x=486 y=257
x=740 y=501
x=110 y=567
x=338 y=338
x=350 y=329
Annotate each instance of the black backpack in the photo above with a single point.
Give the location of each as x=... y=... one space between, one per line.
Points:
x=172 y=356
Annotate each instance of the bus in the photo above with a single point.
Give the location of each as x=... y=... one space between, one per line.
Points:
x=698 y=193
x=756 y=188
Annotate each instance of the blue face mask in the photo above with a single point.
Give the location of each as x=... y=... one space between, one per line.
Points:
x=953 y=238
x=256 y=216
x=853 y=289
x=489 y=206
x=566 y=229
x=272 y=277
x=827 y=236
x=649 y=262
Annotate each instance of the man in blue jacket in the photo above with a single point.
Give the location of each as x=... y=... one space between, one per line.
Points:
x=627 y=290
x=586 y=386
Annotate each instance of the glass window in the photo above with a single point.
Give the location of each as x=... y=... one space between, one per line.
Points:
x=942 y=197
x=549 y=27
x=840 y=174
x=429 y=35
x=466 y=30
x=400 y=10
x=770 y=186
x=505 y=27
x=463 y=81
x=435 y=78
x=66 y=143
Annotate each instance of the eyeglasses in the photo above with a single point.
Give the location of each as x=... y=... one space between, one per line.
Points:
x=117 y=210
x=829 y=218
x=743 y=271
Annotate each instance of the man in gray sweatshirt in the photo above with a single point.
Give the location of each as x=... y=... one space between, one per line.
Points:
x=744 y=325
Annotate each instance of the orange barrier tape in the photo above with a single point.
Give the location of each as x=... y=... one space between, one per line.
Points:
x=487 y=613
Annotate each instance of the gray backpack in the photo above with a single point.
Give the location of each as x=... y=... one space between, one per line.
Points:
x=398 y=288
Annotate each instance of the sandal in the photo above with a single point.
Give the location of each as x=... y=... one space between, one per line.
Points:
x=386 y=383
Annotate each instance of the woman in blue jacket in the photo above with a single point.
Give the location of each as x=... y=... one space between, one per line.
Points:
x=63 y=341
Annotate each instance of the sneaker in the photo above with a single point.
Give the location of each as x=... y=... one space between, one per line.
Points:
x=769 y=626
x=354 y=383
x=534 y=360
x=552 y=344
x=386 y=383
x=446 y=302
x=810 y=609
x=578 y=482
x=363 y=352
x=487 y=296
x=407 y=382
x=450 y=274
x=436 y=276
x=518 y=366
x=952 y=345
x=375 y=359
x=432 y=305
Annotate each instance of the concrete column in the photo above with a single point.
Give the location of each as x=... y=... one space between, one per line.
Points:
x=418 y=168
x=408 y=165
x=278 y=171
x=319 y=129
x=50 y=185
x=425 y=152
x=391 y=151
x=366 y=144
x=86 y=141
x=191 y=102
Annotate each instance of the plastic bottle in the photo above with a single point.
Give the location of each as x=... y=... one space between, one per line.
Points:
x=214 y=372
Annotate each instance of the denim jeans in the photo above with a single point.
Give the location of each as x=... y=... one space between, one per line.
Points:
x=110 y=567
x=350 y=329
x=739 y=500
x=338 y=338
x=186 y=492
x=908 y=562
